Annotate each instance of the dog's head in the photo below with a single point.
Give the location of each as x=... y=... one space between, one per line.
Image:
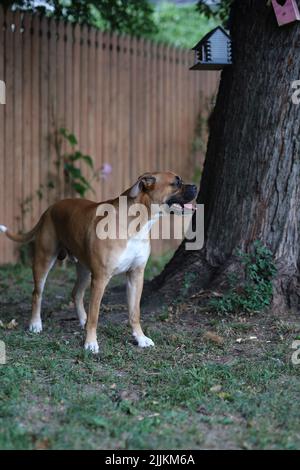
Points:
x=164 y=188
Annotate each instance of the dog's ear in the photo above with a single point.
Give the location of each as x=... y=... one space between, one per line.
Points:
x=144 y=183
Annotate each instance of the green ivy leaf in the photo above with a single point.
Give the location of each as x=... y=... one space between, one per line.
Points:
x=75 y=156
x=73 y=171
x=79 y=188
x=88 y=160
x=72 y=139
x=69 y=136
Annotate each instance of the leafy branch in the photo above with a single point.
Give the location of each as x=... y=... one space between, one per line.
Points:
x=73 y=175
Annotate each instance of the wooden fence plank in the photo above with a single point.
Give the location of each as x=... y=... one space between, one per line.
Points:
x=51 y=181
x=123 y=108
x=98 y=111
x=66 y=43
x=76 y=84
x=26 y=73
x=133 y=109
x=140 y=125
x=44 y=113
x=105 y=109
x=91 y=115
x=167 y=107
x=2 y=134
x=147 y=92
x=160 y=106
x=18 y=140
x=153 y=107
x=60 y=104
x=9 y=132
x=112 y=156
x=34 y=126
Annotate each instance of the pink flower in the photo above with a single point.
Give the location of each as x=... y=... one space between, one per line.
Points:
x=105 y=170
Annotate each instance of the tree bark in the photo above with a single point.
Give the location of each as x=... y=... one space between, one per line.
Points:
x=250 y=184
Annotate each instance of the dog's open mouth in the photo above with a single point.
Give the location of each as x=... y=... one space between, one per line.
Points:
x=182 y=208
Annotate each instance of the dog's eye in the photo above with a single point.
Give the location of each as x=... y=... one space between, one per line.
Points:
x=177 y=183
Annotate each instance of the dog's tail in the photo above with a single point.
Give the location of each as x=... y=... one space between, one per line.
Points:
x=22 y=237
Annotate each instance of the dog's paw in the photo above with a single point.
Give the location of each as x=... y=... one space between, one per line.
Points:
x=93 y=347
x=36 y=327
x=144 y=341
x=82 y=322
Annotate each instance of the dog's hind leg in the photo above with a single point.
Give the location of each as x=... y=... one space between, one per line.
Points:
x=41 y=267
x=82 y=282
x=45 y=255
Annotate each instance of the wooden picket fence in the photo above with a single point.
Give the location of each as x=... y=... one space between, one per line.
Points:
x=132 y=104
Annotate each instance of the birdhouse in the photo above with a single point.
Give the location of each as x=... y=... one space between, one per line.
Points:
x=286 y=13
x=214 y=51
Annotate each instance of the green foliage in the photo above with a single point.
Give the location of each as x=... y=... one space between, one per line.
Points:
x=180 y=26
x=220 y=11
x=73 y=174
x=123 y=16
x=256 y=292
x=132 y=17
x=156 y=264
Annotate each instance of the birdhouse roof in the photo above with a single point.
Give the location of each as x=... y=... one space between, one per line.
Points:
x=208 y=35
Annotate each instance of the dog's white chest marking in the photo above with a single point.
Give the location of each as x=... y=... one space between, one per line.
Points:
x=136 y=252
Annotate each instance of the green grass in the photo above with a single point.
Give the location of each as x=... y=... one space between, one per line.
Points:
x=156 y=264
x=54 y=395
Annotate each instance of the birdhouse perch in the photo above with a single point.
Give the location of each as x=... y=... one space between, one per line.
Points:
x=214 y=51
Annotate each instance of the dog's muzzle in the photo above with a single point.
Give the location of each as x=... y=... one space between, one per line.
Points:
x=182 y=201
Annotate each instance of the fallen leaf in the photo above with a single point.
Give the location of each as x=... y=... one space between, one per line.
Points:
x=153 y=415
x=42 y=444
x=129 y=395
x=225 y=396
x=2 y=324
x=216 y=388
x=216 y=294
x=213 y=337
x=12 y=324
x=202 y=410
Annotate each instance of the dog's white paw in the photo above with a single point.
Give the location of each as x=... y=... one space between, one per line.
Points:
x=93 y=347
x=144 y=341
x=36 y=327
x=82 y=322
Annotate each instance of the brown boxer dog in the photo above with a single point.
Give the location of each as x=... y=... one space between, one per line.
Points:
x=71 y=227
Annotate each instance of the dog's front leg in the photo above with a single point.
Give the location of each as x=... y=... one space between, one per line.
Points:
x=98 y=285
x=135 y=280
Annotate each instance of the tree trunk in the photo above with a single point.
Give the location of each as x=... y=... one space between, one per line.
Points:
x=250 y=184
